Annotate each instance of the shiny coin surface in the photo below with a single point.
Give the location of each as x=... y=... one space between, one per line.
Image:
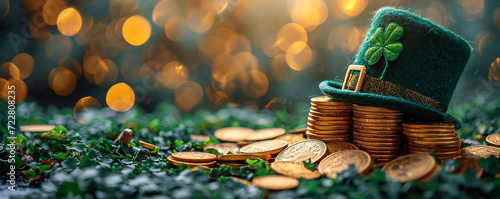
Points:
x=176 y=162
x=275 y=182
x=242 y=143
x=410 y=130
x=335 y=163
x=233 y=134
x=493 y=139
x=265 y=147
x=409 y=167
x=291 y=138
x=265 y=134
x=194 y=156
x=37 y=128
x=482 y=151
x=294 y=169
x=340 y=146
x=302 y=151
x=243 y=157
x=224 y=148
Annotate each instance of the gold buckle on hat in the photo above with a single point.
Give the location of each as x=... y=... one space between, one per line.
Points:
x=353 y=71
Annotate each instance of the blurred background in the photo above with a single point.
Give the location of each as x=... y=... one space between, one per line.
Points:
x=210 y=53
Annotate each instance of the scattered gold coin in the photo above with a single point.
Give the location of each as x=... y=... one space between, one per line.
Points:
x=275 y=182
x=176 y=162
x=265 y=147
x=340 y=146
x=224 y=148
x=233 y=134
x=194 y=156
x=302 y=151
x=265 y=134
x=201 y=138
x=294 y=169
x=243 y=157
x=493 y=139
x=291 y=138
x=337 y=162
x=409 y=167
x=482 y=151
x=37 y=128
x=147 y=145
x=300 y=131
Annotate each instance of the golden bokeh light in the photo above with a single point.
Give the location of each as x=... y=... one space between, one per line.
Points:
x=289 y=34
x=474 y=9
x=482 y=39
x=51 y=10
x=200 y=15
x=496 y=18
x=254 y=83
x=90 y=66
x=188 y=95
x=9 y=70
x=494 y=72
x=63 y=81
x=438 y=13
x=25 y=64
x=3 y=93
x=58 y=46
x=83 y=109
x=348 y=8
x=4 y=8
x=73 y=65
x=299 y=56
x=164 y=10
x=136 y=30
x=280 y=70
x=171 y=75
x=120 y=97
x=215 y=96
x=219 y=5
x=105 y=73
x=213 y=46
x=308 y=13
x=69 y=22
x=176 y=28
x=347 y=37
x=21 y=89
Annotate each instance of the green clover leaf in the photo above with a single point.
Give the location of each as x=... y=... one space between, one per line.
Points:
x=385 y=43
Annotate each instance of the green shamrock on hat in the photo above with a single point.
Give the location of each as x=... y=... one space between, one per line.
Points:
x=385 y=43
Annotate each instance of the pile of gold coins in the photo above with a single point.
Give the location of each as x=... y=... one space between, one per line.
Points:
x=329 y=121
x=437 y=138
x=378 y=131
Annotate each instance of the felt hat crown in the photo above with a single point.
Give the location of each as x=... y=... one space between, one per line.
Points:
x=412 y=65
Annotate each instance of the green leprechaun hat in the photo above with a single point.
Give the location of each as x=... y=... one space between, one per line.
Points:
x=406 y=63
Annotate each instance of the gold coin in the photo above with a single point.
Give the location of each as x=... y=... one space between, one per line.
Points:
x=265 y=134
x=448 y=153
x=176 y=162
x=233 y=134
x=337 y=107
x=340 y=146
x=332 y=132
x=224 y=148
x=434 y=139
x=384 y=156
x=275 y=182
x=382 y=140
x=346 y=139
x=294 y=169
x=383 y=121
x=298 y=131
x=291 y=138
x=375 y=152
x=308 y=133
x=372 y=116
x=378 y=148
x=481 y=151
x=428 y=135
x=425 y=149
x=335 y=163
x=328 y=128
x=147 y=145
x=243 y=157
x=325 y=100
x=232 y=164
x=383 y=132
x=243 y=143
x=377 y=144
x=409 y=167
x=410 y=144
x=439 y=131
x=377 y=128
x=194 y=156
x=265 y=147
x=201 y=138
x=302 y=151
x=437 y=143
x=312 y=117
x=320 y=113
x=347 y=112
x=376 y=135
x=429 y=125
x=373 y=113
x=317 y=122
x=373 y=109
x=37 y=128
x=493 y=139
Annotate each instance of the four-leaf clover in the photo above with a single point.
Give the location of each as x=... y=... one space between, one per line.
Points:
x=385 y=43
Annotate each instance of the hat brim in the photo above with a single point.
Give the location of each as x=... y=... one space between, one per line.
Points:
x=418 y=111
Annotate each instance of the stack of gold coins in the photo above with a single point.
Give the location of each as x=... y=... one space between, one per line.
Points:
x=193 y=159
x=437 y=138
x=329 y=120
x=378 y=131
